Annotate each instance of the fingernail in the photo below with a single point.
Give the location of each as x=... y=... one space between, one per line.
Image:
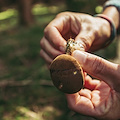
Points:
x=80 y=56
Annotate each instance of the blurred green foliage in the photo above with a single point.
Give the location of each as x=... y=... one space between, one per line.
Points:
x=86 y=6
x=20 y=61
x=8 y=13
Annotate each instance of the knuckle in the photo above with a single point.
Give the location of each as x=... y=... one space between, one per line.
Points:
x=86 y=42
x=41 y=42
x=62 y=14
x=98 y=65
x=46 y=30
x=95 y=31
x=59 y=14
x=41 y=54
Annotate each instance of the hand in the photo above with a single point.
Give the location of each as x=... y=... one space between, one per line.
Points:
x=88 y=30
x=100 y=99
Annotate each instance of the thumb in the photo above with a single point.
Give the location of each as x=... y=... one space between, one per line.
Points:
x=85 y=39
x=99 y=68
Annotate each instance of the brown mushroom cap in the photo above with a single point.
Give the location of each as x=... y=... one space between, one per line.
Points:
x=66 y=74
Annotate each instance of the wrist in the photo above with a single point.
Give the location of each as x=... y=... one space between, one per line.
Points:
x=112 y=18
x=110 y=28
x=113 y=13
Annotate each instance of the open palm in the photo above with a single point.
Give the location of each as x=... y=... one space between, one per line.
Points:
x=96 y=99
x=99 y=98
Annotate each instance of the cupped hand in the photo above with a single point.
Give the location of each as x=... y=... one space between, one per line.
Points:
x=99 y=98
x=91 y=32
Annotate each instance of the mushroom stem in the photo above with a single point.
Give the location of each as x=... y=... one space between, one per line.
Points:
x=72 y=45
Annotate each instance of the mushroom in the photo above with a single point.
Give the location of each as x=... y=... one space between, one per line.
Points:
x=66 y=72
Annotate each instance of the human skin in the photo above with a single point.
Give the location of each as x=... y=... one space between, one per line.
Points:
x=100 y=97
x=91 y=32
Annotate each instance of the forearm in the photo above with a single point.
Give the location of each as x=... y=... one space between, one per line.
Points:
x=112 y=10
x=113 y=13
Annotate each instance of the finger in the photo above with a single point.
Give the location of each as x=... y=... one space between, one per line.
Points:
x=49 y=49
x=90 y=36
x=85 y=38
x=45 y=56
x=90 y=83
x=80 y=104
x=53 y=34
x=86 y=93
x=99 y=68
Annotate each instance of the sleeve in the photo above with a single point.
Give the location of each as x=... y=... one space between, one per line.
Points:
x=115 y=3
